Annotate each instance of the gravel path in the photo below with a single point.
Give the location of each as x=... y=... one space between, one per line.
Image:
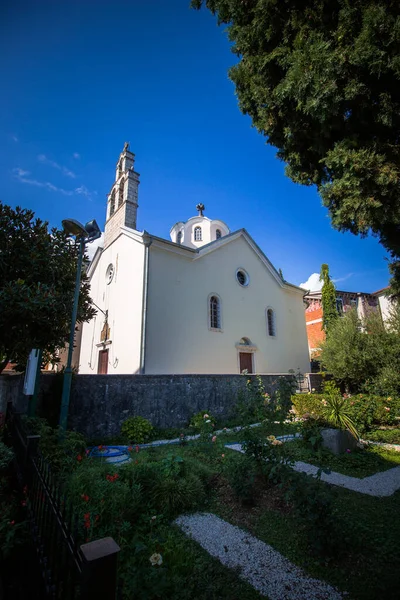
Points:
x=264 y=568
x=380 y=484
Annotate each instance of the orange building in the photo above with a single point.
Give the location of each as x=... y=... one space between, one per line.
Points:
x=345 y=301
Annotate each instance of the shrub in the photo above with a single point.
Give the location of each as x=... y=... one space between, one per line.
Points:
x=136 y=430
x=311 y=433
x=308 y=404
x=241 y=473
x=62 y=455
x=365 y=411
x=371 y=411
x=269 y=453
x=6 y=456
x=200 y=419
x=104 y=502
x=387 y=436
x=313 y=506
x=172 y=495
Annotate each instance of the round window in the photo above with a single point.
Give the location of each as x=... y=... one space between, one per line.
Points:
x=109 y=274
x=242 y=277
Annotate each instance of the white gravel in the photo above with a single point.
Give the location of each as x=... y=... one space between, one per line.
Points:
x=381 y=484
x=264 y=568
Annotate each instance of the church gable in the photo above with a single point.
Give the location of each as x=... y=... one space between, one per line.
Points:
x=244 y=235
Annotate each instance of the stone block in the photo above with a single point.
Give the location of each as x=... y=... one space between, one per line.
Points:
x=338 y=440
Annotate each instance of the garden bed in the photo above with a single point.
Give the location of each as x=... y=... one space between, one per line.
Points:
x=357 y=463
x=385 y=436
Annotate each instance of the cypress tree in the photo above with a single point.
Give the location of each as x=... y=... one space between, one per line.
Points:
x=329 y=308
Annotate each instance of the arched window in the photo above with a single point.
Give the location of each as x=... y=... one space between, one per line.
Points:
x=197 y=234
x=121 y=193
x=271 y=322
x=215 y=313
x=218 y=234
x=112 y=203
x=179 y=237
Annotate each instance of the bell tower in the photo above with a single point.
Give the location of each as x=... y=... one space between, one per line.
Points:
x=122 y=201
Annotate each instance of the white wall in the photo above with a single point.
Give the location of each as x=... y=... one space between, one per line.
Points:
x=385 y=306
x=123 y=299
x=178 y=336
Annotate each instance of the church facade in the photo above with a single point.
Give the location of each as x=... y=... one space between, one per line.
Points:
x=206 y=301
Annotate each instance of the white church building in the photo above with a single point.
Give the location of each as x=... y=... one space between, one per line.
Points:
x=206 y=301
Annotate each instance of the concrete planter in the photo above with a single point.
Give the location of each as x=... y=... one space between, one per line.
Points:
x=338 y=440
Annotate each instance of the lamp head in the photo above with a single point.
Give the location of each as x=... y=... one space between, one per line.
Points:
x=74 y=227
x=93 y=230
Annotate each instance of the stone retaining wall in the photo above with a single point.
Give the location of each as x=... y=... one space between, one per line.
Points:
x=100 y=403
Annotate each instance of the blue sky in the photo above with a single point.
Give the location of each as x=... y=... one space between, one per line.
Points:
x=82 y=77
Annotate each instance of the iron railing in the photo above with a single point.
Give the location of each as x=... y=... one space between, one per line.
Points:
x=70 y=571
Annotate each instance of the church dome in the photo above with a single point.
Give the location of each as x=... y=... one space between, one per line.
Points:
x=199 y=230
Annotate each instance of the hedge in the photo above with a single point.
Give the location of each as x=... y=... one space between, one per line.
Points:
x=367 y=412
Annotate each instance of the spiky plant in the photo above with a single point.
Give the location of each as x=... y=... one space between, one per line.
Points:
x=337 y=413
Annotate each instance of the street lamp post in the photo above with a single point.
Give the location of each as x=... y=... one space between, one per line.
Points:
x=83 y=235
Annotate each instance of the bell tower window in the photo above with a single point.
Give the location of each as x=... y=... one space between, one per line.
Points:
x=218 y=234
x=121 y=193
x=112 y=203
x=197 y=234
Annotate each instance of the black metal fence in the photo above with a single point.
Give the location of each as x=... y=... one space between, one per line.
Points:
x=70 y=571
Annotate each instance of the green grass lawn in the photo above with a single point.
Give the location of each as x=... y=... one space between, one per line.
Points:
x=368 y=563
x=367 y=567
x=358 y=463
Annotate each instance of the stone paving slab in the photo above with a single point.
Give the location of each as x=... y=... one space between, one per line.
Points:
x=270 y=573
x=381 y=484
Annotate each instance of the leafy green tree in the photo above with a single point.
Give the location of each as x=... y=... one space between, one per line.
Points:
x=37 y=282
x=329 y=309
x=364 y=354
x=320 y=79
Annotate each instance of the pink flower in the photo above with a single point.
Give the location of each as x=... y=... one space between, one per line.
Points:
x=214 y=438
x=223 y=455
x=348 y=451
x=387 y=408
x=137 y=448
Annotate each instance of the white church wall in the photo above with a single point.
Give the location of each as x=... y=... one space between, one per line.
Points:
x=123 y=300
x=385 y=306
x=178 y=336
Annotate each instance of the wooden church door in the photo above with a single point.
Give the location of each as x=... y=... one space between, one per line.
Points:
x=102 y=368
x=246 y=361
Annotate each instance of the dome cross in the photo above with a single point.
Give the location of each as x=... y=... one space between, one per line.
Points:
x=200 y=207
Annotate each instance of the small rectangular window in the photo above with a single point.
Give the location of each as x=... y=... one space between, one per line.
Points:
x=215 y=314
x=339 y=305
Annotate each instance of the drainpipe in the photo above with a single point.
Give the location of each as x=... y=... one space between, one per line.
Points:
x=147 y=243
